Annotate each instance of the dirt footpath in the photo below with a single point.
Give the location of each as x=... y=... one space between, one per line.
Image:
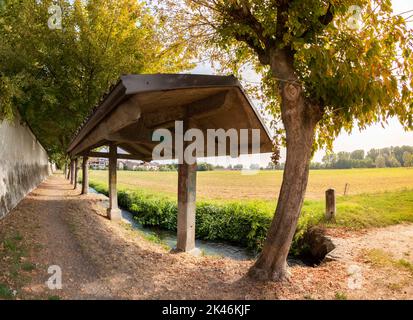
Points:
x=100 y=259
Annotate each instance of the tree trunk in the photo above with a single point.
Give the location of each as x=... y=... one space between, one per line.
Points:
x=300 y=118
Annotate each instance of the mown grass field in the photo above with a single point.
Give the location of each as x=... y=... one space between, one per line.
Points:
x=377 y=197
x=232 y=185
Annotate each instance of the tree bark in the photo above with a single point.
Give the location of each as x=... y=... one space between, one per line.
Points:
x=300 y=118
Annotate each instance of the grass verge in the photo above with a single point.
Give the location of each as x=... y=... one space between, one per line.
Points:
x=16 y=270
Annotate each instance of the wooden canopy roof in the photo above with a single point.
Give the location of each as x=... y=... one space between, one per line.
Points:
x=140 y=104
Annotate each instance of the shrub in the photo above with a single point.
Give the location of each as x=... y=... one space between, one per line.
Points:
x=244 y=224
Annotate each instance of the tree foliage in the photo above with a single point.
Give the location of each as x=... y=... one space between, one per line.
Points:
x=55 y=77
x=320 y=75
x=386 y=157
x=358 y=76
x=407 y=159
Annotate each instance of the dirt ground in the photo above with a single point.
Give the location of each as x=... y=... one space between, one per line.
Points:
x=100 y=259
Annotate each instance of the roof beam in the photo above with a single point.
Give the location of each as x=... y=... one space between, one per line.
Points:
x=136 y=133
x=93 y=154
x=198 y=109
x=126 y=114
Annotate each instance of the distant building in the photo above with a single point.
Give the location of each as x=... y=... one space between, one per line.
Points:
x=149 y=166
x=132 y=164
x=98 y=163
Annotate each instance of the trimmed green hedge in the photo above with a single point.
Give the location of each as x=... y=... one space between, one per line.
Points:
x=242 y=224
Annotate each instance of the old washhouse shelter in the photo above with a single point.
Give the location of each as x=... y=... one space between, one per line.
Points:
x=139 y=104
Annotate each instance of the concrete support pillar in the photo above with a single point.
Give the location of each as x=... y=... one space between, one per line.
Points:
x=76 y=172
x=113 y=210
x=72 y=172
x=68 y=170
x=85 y=175
x=186 y=207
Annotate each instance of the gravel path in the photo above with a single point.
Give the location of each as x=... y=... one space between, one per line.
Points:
x=101 y=259
x=396 y=240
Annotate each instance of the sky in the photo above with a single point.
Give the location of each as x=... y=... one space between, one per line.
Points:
x=373 y=137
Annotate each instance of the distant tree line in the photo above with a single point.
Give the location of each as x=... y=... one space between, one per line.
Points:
x=203 y=166
x=168 y=167
x=200 y=167
x=391 y=157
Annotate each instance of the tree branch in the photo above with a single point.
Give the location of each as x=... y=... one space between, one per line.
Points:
x=282 y=8
x=324 y=20
x=241 y=14
x=263 y=56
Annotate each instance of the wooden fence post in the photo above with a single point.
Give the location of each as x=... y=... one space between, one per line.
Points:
x=346 y=189
x=330 y=204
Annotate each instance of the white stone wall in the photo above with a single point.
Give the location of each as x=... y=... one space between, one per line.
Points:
x=24 y=164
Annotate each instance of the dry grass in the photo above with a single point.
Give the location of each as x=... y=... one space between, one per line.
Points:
x=381 y=258
x=232 y=185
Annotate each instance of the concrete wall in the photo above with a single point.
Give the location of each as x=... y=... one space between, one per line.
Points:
x=24 y=164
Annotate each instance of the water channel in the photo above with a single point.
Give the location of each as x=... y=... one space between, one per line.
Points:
x=209 y=248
